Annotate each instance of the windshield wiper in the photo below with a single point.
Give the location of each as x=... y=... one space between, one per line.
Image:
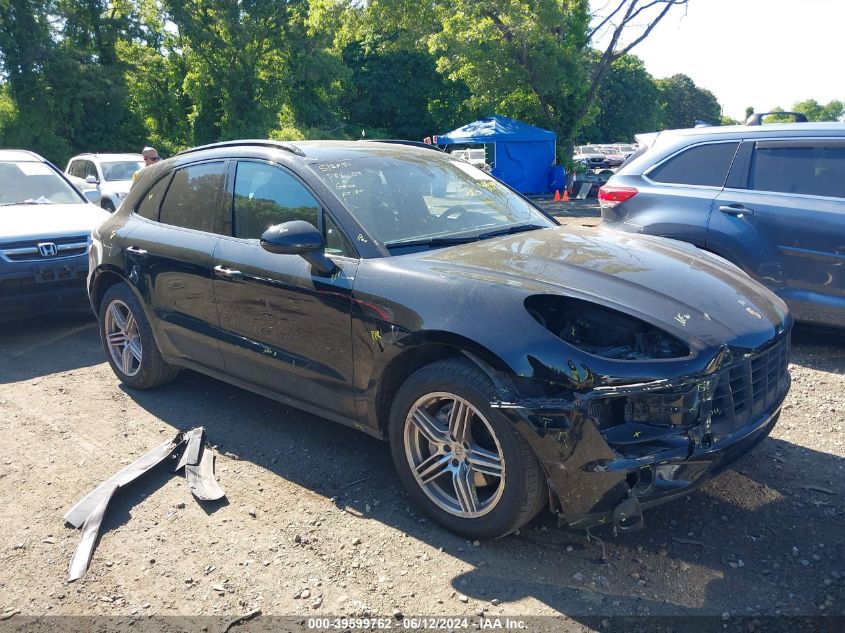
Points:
x=433 y=241
x=464 y=239
x=510 y=230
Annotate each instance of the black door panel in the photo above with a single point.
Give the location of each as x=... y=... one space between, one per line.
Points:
x=282 y=327
x=169 y=260
x=171 y=267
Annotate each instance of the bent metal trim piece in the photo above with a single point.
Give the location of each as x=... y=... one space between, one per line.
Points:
x=88 y=513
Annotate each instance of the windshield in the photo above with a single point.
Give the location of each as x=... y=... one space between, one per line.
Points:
x=121 y=170
x=415 y=197
x=33 y=182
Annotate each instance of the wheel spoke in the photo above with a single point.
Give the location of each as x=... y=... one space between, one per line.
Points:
x=462 y=479
x=117 y=317
x=126 y=361
x=432 y=467
x=116 y=339
x=134 y=346
x=130 y=327
x=459 y=420
x=484 y=461
x=428 y=427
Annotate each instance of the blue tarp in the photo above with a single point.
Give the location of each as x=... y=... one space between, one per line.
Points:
x=524 y=153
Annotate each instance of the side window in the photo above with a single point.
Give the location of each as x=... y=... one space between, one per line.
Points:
x=265 y=196
x=196 y=198
x=816 y=169
x=74 y=170
x=336 y=242
x=90 y=170
x=703 y=165
x=148 y=207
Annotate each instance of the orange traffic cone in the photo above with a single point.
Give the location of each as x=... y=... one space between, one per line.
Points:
x=565 y=196
x=557 y=194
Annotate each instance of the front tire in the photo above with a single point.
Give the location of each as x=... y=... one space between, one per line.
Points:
x=461 y=460
x=128 y=341
x=107 y=204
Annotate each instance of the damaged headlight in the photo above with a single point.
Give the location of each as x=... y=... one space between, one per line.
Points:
x=680 y=409
x=603 y=331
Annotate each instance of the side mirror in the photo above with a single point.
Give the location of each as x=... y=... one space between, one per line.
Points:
x=298 y=237
x=92 y=195
x=92 y=180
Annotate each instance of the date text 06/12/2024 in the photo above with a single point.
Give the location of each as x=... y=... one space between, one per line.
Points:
x=416 y=624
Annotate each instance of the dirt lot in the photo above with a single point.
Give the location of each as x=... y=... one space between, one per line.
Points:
x=314 y=522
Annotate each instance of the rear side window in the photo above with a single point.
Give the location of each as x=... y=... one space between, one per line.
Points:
x=148 y=207
x=702 y=165
x=76 y=169
x=196 y=198
x=816 y=169
x=265 y=196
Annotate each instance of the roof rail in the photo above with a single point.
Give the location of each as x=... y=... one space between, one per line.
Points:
x=293 y=149
x=757 y=117
x=396 y=141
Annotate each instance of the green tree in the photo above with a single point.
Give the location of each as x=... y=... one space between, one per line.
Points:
x=240 y=57
x=627 y=103
x=64 y=79
x=683 y=103
x=426 y=103
x=525 y=58
x=815 y=111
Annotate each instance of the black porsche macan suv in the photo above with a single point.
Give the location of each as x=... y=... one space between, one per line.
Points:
x=412 y=296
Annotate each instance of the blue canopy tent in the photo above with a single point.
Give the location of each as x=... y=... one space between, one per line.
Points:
x=524 y=153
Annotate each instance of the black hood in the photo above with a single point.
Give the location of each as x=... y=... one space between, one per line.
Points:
x=700 y=298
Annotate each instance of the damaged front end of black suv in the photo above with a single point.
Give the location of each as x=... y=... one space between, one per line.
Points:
x=613 y=445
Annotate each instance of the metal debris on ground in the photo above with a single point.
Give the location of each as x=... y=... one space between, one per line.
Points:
x=815 y=488
x=241 y=618
x=88 y=513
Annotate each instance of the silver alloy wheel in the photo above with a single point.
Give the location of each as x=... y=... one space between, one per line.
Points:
x=123 y=338
x=454 y=455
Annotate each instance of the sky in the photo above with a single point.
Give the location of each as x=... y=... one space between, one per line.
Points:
x=760 y=53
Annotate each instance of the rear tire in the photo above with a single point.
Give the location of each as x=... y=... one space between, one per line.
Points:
x=128 y=341
x=462 y=461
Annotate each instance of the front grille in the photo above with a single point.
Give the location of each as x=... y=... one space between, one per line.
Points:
x=749 y=388
x=29 y=251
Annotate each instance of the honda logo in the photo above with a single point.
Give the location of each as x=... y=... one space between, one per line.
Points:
x=47 y=249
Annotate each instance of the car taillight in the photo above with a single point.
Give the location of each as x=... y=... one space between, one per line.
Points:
x=610 y=196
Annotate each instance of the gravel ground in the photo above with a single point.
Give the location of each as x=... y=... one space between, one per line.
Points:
x=315 y=523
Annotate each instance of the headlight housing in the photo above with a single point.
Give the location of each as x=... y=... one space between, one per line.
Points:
x=602 y=331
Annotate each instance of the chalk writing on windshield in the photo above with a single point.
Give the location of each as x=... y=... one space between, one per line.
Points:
x=341 y=176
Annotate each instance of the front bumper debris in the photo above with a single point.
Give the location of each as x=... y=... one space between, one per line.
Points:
x=89 y=511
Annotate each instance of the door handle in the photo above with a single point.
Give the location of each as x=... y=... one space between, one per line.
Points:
x=736 y=209
x=228 y=273
x=134 y=250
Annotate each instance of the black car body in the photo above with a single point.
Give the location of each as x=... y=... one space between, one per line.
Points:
x=630 y=367
x=769 y=198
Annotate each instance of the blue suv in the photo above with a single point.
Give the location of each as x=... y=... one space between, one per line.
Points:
x=768 y=198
